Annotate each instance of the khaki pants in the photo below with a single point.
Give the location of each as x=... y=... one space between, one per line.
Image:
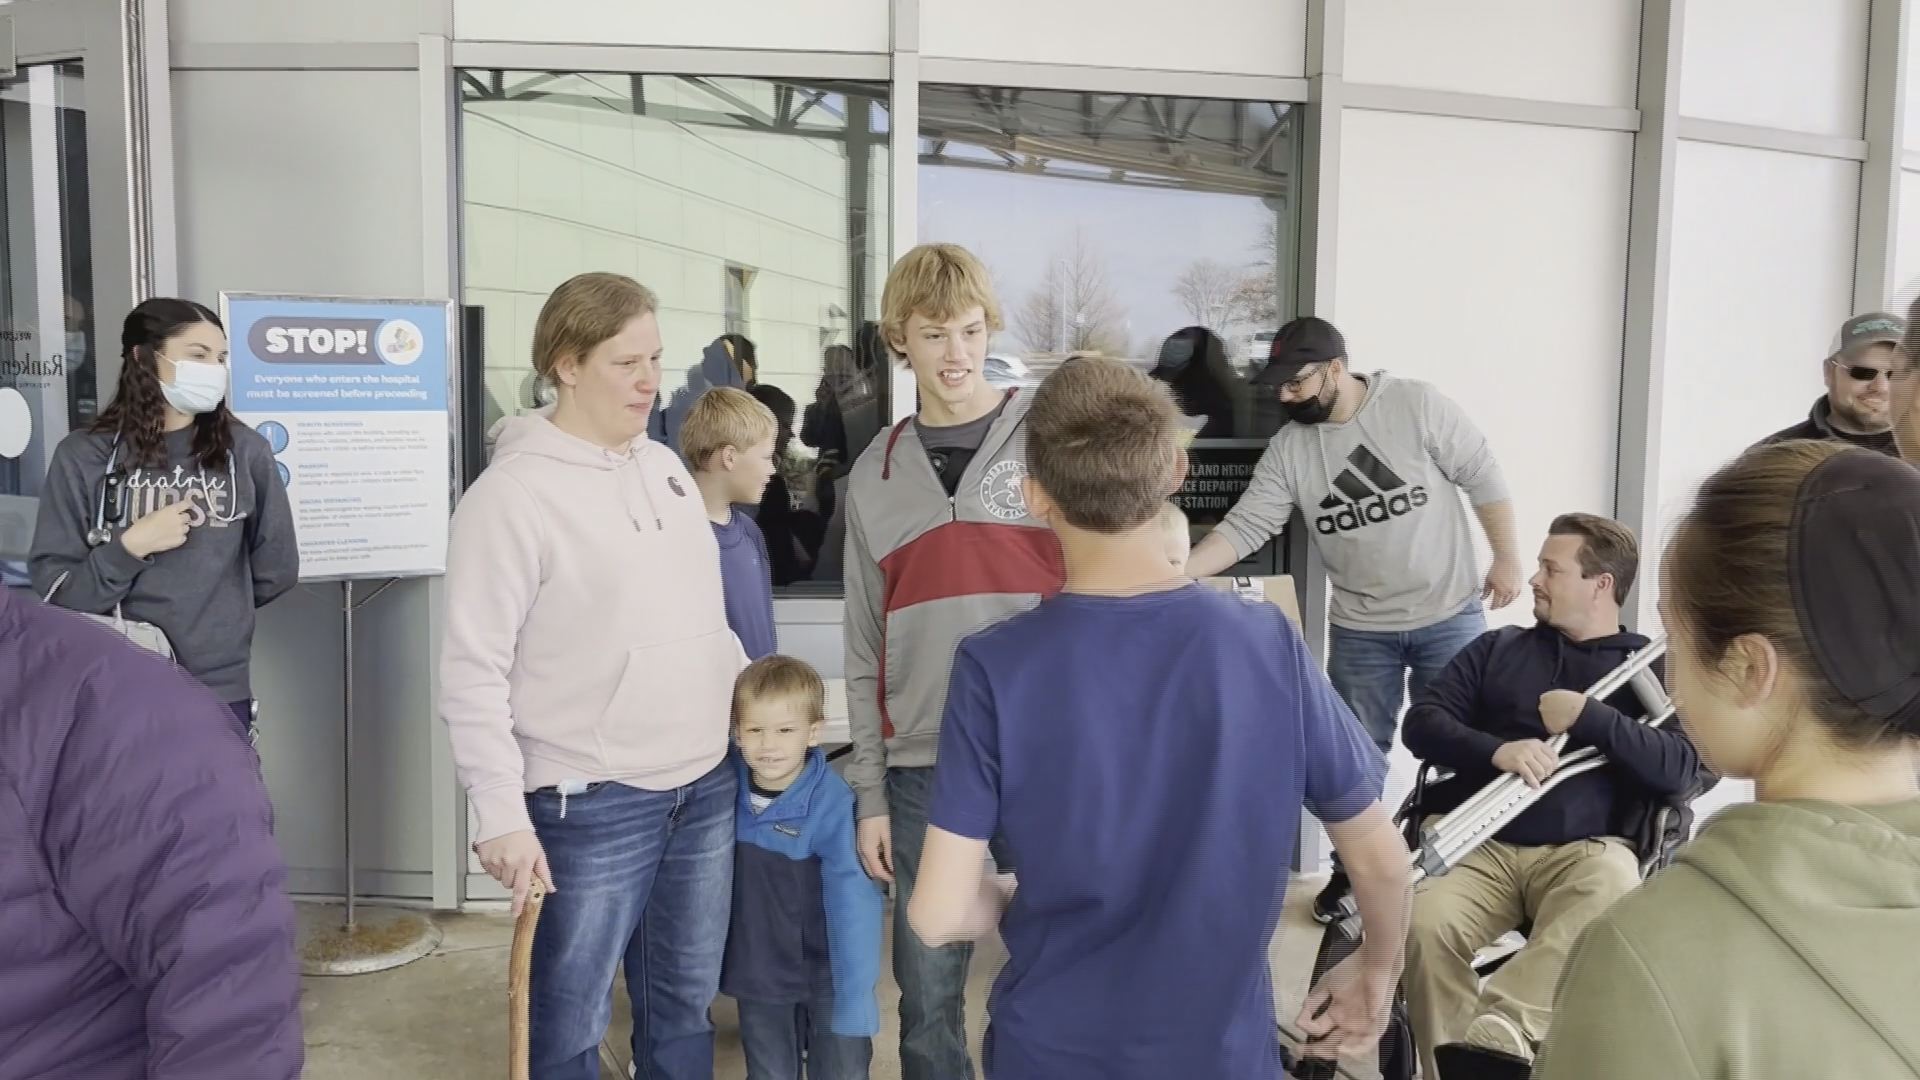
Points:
x=1491 y=892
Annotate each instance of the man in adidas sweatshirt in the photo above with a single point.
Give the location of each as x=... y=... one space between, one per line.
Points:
x=1376 y=465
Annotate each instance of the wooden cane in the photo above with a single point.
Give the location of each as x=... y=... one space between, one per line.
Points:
x=519 y=980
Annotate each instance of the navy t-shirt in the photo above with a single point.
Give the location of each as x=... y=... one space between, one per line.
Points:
x=1146 y=760
x=746 y=577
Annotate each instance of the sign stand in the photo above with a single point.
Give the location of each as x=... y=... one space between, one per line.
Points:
x=389 y=938
x=352 y=395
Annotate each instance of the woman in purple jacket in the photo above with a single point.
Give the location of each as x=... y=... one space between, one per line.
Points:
x=145 y=930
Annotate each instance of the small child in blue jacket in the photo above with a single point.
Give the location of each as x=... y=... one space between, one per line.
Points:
x=803 y=949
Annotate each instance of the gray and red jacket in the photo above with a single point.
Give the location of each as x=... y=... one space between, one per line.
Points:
x=924 y=571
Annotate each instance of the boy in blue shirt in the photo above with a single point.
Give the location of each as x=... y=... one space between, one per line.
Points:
x=728 y=439
x=1144 y=745
x=803 y=948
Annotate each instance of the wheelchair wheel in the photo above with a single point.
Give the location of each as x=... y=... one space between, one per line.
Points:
x=1397 y=1058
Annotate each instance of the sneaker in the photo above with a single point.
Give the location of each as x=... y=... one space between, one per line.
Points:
x=1491 y=1031
x=1326 y=906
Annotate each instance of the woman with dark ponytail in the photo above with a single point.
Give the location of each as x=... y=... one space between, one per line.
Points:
x=1784 y=941
x=168 y=510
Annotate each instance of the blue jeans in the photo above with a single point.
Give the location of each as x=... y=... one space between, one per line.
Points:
x=933 y=982
x=1370 y=669
x=644 y=877
x=778 y=1038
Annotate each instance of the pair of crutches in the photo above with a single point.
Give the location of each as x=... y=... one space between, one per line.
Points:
x=1444 y=843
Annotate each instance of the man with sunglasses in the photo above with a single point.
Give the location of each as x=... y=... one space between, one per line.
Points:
x=1857 y=405
x=1376 y=464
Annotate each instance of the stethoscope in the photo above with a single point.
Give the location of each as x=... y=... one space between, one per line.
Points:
x=111 y=481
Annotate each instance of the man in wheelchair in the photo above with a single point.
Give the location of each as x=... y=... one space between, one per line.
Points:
x=1568 y=857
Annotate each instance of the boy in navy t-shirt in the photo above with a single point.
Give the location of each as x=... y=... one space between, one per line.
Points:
x=728 y=439
x=1144 y=744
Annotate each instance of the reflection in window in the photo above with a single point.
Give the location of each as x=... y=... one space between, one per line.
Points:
x=1160 y=230
x=773 y=191
x=51 y=374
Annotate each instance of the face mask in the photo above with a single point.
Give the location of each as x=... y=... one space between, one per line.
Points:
x=196 y=388
x=1313 y=410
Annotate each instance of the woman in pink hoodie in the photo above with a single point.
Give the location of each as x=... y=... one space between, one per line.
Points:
x=586 y=677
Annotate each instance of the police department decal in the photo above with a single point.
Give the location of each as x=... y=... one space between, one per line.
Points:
x=1000 y=490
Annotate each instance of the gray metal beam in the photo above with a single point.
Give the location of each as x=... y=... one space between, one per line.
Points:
x=1318 y=214
x=1649 y=248
x=1886 y=120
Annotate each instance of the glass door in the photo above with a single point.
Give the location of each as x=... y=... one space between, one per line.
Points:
x=75 y=231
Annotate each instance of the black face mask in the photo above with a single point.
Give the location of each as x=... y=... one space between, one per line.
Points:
x=1313 y=410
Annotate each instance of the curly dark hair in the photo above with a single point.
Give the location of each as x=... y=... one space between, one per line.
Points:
x=138 y=409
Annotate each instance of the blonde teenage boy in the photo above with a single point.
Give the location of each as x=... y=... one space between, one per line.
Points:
x=1155 y=811
x=727 y=440
x=939 y=543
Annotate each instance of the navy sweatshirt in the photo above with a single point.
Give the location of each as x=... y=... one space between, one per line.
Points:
x=801 y=901
x=1490 y=695
x=746 y=573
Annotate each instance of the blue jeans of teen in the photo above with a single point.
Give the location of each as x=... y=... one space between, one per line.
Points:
x=778 y=1038
x=1374 y=672
x=933 y=982
x=644 y=877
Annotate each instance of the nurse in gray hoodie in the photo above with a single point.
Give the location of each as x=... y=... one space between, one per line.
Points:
x=169 y=510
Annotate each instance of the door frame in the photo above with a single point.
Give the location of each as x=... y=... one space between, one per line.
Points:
x=122 y=47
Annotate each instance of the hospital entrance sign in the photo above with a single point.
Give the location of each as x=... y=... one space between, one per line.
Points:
x=351 y=396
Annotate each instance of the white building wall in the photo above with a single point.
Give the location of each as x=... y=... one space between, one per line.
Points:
x=1487 y=259
x=817 y=25
x=1795 y=65
x=1582 y=53
x=1239 y=37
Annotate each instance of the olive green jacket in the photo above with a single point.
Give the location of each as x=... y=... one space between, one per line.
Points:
x=1782 y=944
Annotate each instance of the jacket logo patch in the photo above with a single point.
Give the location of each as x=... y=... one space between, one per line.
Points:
x=1000 y=491
x=674 y=483
x=1366 y=494
x=787 y=830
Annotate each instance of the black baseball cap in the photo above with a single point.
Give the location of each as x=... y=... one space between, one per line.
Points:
x=1852 y=553
x=1303 y=342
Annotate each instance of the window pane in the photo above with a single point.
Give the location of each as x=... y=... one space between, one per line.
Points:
x=49 y=366
x=752 y=207
x=1159 y=230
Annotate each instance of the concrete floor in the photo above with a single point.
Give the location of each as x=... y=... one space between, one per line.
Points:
x=445 y=1016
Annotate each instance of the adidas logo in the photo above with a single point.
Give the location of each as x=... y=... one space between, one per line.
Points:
x=1368 y=493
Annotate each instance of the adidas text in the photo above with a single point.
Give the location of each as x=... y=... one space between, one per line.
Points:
x=1370 y=512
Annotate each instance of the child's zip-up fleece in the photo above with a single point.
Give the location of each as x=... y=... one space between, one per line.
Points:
x=924 y=570
x=801 y=900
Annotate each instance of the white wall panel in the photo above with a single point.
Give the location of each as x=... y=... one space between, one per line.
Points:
x=223 y=22
x=1906 y=250
x=829 y=25
x=1911 y=84
x=1762 y=276
x=1583 y=53
x=1241 y=37
x=1794 y=64
x=1490 y=260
